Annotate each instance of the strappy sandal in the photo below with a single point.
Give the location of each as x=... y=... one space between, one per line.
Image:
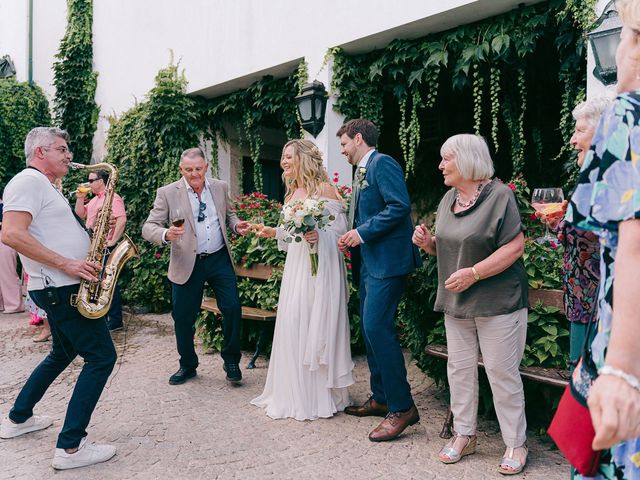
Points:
x=452 y=455
x=514 y=466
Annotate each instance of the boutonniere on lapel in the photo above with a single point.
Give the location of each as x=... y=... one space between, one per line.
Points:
x=362 y=183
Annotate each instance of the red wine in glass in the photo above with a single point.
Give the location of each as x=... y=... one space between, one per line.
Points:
x=178 y=222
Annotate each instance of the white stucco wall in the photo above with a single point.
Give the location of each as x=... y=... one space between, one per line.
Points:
x=224 y=45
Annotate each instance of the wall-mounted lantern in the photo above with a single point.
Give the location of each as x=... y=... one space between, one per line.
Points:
x=312 y=103
x=604 y=41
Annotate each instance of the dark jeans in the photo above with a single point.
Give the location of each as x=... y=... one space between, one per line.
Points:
x=217 y=270
x=72 y=335
x=114 y=317
x=379 y=299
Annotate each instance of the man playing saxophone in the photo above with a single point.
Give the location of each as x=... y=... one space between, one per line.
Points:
x=40 y=225
x=89 y=211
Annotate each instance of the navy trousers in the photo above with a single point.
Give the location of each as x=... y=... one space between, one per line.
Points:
x=379 y=299
x=114 y=317
x=72 y=335
x=217 y=270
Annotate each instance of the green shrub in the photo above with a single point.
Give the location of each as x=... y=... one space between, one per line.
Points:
x=22 y=107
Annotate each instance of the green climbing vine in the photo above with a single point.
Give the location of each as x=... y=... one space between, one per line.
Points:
x=494 y=92
x=487 y=58
x=410 y=133
x=478 y=83
x=583 y=13
x=518 y=160
x=74 y=105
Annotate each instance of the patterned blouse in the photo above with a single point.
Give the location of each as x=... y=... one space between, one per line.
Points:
x=581 y=273
x=608 y=192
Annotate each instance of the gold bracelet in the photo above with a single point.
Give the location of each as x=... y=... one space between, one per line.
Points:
x=476 y=275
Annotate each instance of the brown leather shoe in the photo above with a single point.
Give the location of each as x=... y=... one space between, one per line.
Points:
x=370 y=408
x=394 y=424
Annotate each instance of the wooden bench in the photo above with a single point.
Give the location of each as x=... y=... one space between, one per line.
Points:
x=255 y=272
x=555 y=377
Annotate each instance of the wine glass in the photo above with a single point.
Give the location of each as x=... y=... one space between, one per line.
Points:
x=177 y=219
x=547 y=201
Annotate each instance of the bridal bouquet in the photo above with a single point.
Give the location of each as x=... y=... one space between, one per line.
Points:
x=300 y=217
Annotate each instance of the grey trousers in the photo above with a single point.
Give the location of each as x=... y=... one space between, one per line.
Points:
x=501 y=339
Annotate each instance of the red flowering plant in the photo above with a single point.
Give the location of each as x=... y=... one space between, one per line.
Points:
x=256 y=208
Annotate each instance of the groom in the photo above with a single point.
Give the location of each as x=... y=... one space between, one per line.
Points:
x=381 y=244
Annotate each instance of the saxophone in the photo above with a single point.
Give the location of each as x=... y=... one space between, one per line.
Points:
x=93 y=299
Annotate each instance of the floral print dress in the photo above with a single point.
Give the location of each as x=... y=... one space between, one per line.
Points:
x=608 y=192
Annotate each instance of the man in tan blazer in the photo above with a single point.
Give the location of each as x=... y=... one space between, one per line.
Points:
x=196 y=211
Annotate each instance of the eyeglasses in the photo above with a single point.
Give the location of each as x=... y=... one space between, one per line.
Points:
x=201 y=208
x=61 y=149
x=91 y=180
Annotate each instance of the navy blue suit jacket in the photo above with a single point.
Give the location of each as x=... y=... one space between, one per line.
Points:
x=383 y=219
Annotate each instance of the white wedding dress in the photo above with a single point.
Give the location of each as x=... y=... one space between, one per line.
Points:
x=310 y=366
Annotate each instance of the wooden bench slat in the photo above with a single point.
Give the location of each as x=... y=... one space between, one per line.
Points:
x=249 y=313
x=552 y=298
x=257 y=271
x=551 y=376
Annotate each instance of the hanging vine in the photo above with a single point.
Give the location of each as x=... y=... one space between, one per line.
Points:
x=518 y=158
x=486 y=55
x=410 y=134
x=494 y=89
x=74 y=104
x=478 y=83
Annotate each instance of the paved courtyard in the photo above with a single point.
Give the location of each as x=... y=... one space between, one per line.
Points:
x=207 y=429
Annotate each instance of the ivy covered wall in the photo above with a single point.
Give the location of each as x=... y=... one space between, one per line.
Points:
x=513 y=78
x=74 y=105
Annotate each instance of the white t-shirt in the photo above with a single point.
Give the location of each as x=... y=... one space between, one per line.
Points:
x=53 y=225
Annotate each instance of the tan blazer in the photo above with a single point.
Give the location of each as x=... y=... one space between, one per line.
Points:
x=183 y=253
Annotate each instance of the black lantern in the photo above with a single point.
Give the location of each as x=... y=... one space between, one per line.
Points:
x=312 y=103
x=604 y=42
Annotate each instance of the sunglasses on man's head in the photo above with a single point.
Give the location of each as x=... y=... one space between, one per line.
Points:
x=201 y=208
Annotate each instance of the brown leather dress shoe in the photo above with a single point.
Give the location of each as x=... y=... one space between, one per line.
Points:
x=370 y=408
x=394 y=424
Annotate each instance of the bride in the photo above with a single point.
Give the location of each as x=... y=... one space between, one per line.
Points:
x=310 y=366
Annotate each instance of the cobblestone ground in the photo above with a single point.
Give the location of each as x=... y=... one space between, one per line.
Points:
x=207 y=428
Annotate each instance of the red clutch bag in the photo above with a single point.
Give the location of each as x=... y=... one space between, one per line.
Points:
x=572 y=430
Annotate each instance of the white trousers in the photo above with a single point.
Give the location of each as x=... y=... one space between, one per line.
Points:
x=501 y=340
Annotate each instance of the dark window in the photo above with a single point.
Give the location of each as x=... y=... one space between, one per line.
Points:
x=272 y=185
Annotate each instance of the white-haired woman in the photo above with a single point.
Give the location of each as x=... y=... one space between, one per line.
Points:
x=581 y=250
x=607 y=200
x=482 y=290
x=310 y=366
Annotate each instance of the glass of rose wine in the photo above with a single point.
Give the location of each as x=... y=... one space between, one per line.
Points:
x=547 y=201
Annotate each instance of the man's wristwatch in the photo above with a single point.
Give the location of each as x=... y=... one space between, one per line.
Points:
x=476 y=275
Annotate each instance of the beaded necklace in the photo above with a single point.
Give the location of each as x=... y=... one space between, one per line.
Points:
x=472 y=200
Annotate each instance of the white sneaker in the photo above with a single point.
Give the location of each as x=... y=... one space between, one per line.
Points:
x=87 y=454
x=8 y=429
